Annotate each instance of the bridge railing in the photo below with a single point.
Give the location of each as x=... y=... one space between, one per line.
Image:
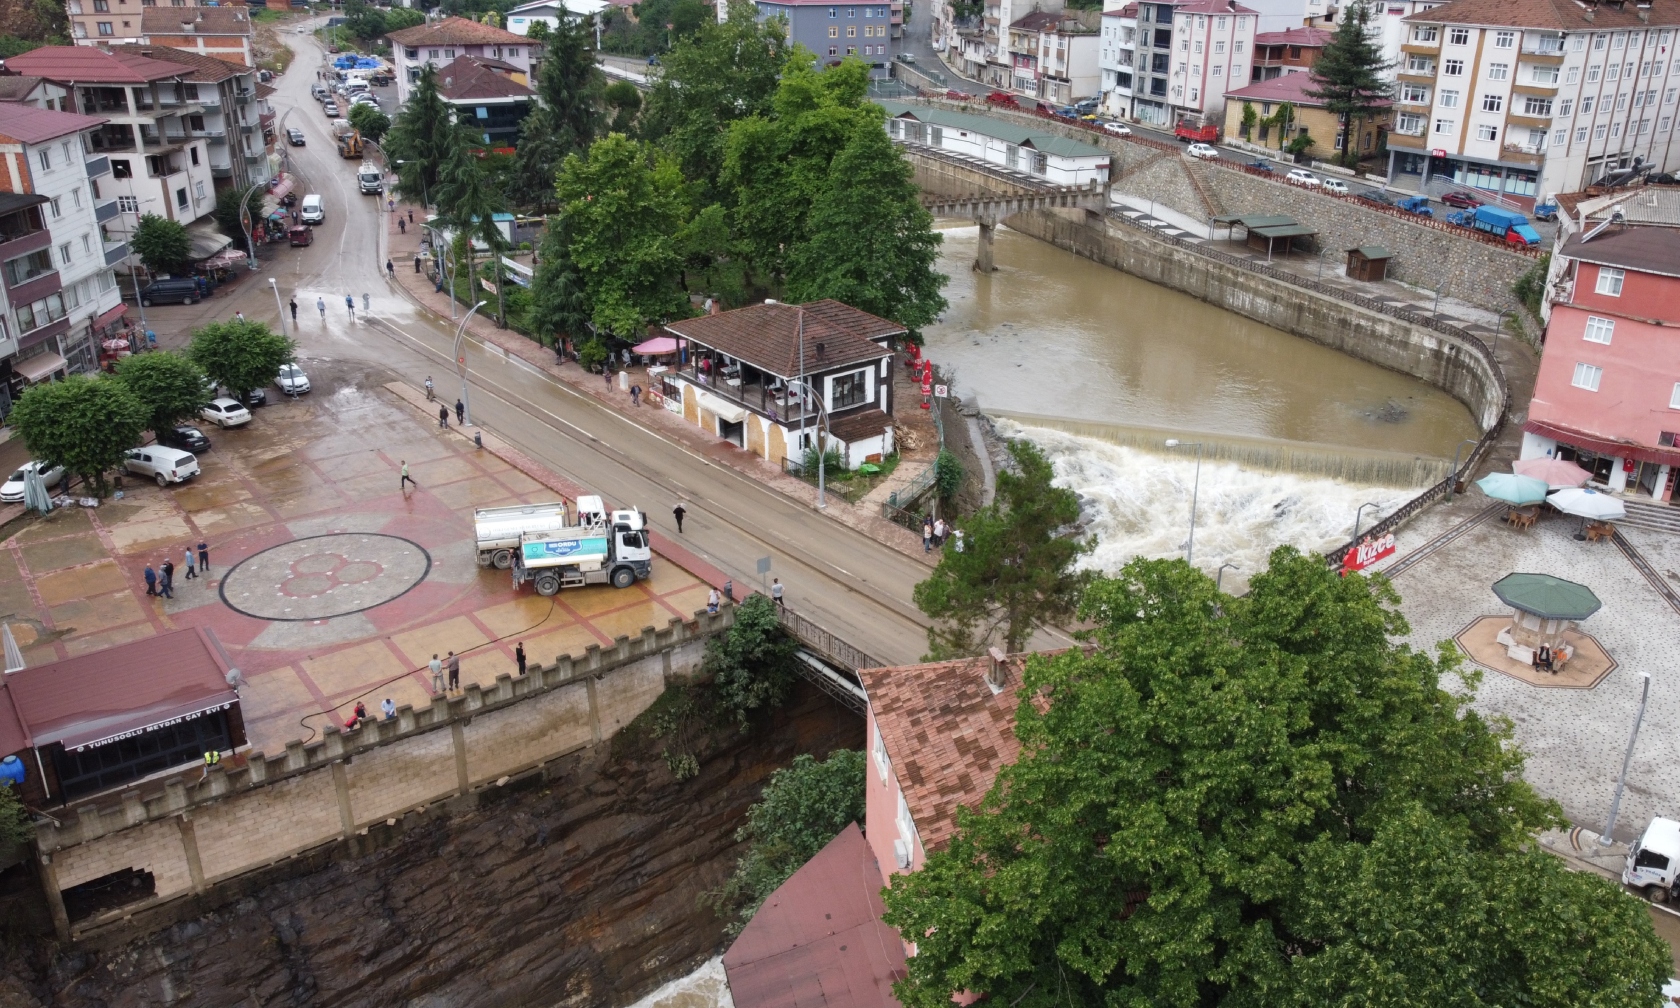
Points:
x=824 y=644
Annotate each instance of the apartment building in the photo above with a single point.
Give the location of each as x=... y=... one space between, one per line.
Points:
x=982 y=50
x=222 y=32
x=833 y=32
x=1181 y=58
x=1293 y=50
x=437 y=43
x=60 y=288
x=1115 y=59
x=1053 y=56
x=93 y=22
x=1528 y=98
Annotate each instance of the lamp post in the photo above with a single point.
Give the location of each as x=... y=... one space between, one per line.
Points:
x=245 y=219
x=1195 y=489
x=461 y=361
x=1627 y=758
x=1219 y=581
x=1453 y=476
x=275 y=287
x=424 y=200
x=1356 y=516
x=822 y=421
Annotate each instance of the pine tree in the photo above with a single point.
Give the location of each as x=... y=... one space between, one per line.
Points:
x=421 y=139
x=1348 y=77
x=469 y=200
x=568 y=116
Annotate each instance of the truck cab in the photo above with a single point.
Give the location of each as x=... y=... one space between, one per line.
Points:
x=1654 y=860
x=604 y=547
x=370 y=179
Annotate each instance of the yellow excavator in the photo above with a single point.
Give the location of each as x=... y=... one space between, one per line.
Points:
x=350 y=144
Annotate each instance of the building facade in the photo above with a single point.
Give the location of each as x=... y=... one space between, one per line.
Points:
x=549 y=12
x=1183 y=57
x=438 y=43
x=1292 y=50
x=491 y=97
x=1608 y=392
x=865 y=31
x=222 y=32
x=1116 y=59
x=1053 y=57
x=1050 y=156
x=1309 y=118
x=1530 y=100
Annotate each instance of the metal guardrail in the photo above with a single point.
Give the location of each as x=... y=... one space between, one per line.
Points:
x=824 y=644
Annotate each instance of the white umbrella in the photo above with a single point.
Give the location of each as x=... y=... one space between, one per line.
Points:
x=1587 y=503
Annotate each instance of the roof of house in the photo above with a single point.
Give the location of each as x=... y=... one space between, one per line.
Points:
x=1289 y=87
x=1128 y=11
x=767 y=336
x=859 y=425
x=1650 y=204
x=1212 y=7
x=477 y=78
x=1301 y=35
x=195 y=21
x=33 y=125
x=194 y=66
x=92 y=65
x=1561 y=15
x=1039 y=21
x=818 y=941
x=1001 y=129
x=92 y=697
x=947 y=735
x=455 y=31
x=17 y=88
x=1645 y=249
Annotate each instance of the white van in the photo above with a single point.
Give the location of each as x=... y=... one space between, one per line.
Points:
x=355 y=86
x=1653 y=861
x=312 y=212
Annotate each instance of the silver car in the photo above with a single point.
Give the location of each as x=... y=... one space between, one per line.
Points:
x=292 y=380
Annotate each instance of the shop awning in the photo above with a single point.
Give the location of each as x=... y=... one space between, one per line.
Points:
x=657 y=345
x=111 y=316
x=205 y=242
x=38 y=367
x=1602 y=445
x=280 y=191
x=726 y=411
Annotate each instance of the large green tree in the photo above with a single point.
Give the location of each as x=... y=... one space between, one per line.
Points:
x=752 y=664
x=162 y=244
x=170 y=385
x=625 y=205
x=468 y=200
x=1261 y=801
x=370 y=122
x=421 y=139
x=559 y=299
x=242 y=355
x=569 y=112
x=227 y=212
x=1016 y=571
x=723 y=73
x=82 y=423
x=868 y=241
x=1349 y=77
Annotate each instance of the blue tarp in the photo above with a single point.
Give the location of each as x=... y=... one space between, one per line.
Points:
x=350 y=61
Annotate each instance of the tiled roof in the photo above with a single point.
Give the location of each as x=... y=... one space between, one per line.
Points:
x=859 y=425
x=195 y=21
x=818 y=941
x=91 y=65
x=1212 y=7
x=266 y=90
x=1039 y=21
x=1561 y=15
x=37 y=125
x=1001 y=129
x=193 y=66
x=1301 y=36
x=767 y=335
x=1128 y=11
x=474 y=78
x=1289 y=87
x=947 y=735
x=455 y=31
x=1645 y=249
x=18 y=88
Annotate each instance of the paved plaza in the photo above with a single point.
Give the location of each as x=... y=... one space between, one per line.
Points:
x=327 y=585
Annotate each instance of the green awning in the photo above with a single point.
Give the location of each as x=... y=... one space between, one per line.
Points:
x=1373 y=252
x=1546 y=596
x=1291 y=230
x=1264 y=220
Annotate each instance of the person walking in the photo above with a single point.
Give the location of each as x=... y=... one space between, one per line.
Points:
x=389 y=708
x=431 y=390
x=321 y=305
x=390 y=205
x=635 y=395
x=454 y=665
x=939 y=531
x=411 y=216
x=350 y=305
x=192 y=572
x=151 y=580
x=713 y=600
x=460 y=412
x=678 y=512
x=443 y=417
x=391 y=269
x=927 y=535
x=437 y=674
x=519 y=656
x=239 y=316
x=776 y=591
x=406 y=478
x=204 y=558
x=402 y=227
x=294 y=309
x=166 y=579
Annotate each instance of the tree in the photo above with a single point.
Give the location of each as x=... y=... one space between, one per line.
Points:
x=369 y=121
x=1016 y=571
x=171 y=387
x=567 y=117
x=869 y=241
x=1349 y=78
x=538 y=31
x=421 y=139
x=1261 y=801
x=162 y=244
x=625 y=99
x=242 y=355
x=365 y=21
x=625 y=205
x=559 y=302
x=11 y=45
x=82 y=423
x=398 y=18
x=15 y=827
x=751 y=664
x=227 y=209
x=469 y=202
x=723 y=73
x=804 y=806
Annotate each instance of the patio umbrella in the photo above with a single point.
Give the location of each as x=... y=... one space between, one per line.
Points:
x=1555 y=471
x=1587 y=504
x=1546 y=596
x=1513 y=489
x=115 y=344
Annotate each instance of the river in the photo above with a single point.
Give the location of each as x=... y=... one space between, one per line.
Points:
x=1100 y=368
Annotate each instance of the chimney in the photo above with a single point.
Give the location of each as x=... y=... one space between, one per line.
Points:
x=997 y=670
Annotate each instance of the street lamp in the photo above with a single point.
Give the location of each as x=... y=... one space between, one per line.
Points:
x=278 y=306
x=1616 y=802
x=1219 y=581
x=424 y=201
x=822 y=421
x=1195 y=489
x=245 y=219
x=1452 y=477
x=461 y=360
x=1356 y=516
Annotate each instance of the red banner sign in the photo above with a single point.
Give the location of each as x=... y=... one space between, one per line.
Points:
x=1368 y=552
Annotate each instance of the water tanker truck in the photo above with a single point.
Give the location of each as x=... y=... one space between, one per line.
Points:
x=604 y=549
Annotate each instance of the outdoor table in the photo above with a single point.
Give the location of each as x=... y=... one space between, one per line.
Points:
x=1599 y=530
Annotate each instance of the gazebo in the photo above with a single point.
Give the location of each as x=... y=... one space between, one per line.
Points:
x=1544 y=609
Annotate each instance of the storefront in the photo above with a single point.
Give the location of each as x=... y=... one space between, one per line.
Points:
x=1619 y=468
x=1514 y=184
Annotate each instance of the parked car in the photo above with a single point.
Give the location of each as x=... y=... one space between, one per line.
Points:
x=1376 y=197
x=905 y=57
x=166 y=465
x=12 y=490
x=225 y=412
x=318 y=92
x=1117 y=128
x=175 y=290
x=331 y=109
x=184 y=436
x=1302 y=177
x=291 y=379
x=294 y=136
x=1261 y=165
x=1203 y=151
x=312 y=212
x=379 y=80
x=1416 y=204
x=1462 y=200
x=1065 y=113
x=1337 y=186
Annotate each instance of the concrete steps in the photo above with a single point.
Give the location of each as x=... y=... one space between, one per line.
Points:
x=1650 y=515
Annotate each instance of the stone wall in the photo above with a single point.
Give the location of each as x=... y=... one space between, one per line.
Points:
x=203 y=829
x=1446 y=362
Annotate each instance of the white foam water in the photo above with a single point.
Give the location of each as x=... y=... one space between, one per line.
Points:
x=706 y=987
x=1137 y=503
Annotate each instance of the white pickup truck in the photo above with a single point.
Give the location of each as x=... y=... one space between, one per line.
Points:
x=498 y=529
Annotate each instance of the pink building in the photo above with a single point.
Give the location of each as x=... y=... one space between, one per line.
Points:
x=1608 y=392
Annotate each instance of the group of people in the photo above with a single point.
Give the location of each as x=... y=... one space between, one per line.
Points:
x=447 y=669
x=934 y=531
x=160 y=580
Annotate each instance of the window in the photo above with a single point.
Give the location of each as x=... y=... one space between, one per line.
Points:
x=1587 y=377
x=1580 y=134
x=1198 y=48
x=64 y=254
x=1572 y=75
x=87 y=243
x=1195 y=94
x=1218 y=71
x=1414 y=94
x=1618 y=40
x=1668 y=96
x=1610 y=281
x=1445 y=127
x=1674 y=397
x=56 y=206
x=1504 y=39
x=1577 y=43
x=181 y=197
x=1499 y=71
x=1449 y=99
x=1662 y=125
x=834 y=50
x=1453 y=68
x=1220 y=24
x=834 y=12
x=192 y=152
x=1487 y=133
x=1592 y=73
x=1565 y=107
x=1543 y=74
x=1458 y=36
x=128 y=204
x=411 y=53
x=851 y=31
x=1237 y=49
x=1493 y=103
x=833 y=31
x=1559 y=136
x=27 y=267
x=1599 y=329
x=851 y=12
x=1599 y=41
x=1420 y=64
x=76 y=196
x=1621 y=102
x=1613 y=72
x=47 y=310
x=1425 y=33
x=449 y=54
x=1533 y=106
x=851 y=50
x=1598 y=131
x=198 y=189
x=432 y=54
x=1587 y=105
x=1409 y=123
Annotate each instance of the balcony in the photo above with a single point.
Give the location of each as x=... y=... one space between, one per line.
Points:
x=1527 y=121
x=1408 y=141
x=105 y=210
x=246 y=128
x=1522 y=153
x=221 y=171
x=115 y=252
x=97 y=166
x=1427 y=48
x=210 y=99
x=35 y=288
x=1424 y=76
x=1531 y=88
x=244 y=97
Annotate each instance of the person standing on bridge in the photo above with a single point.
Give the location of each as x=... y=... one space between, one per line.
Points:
x=390 y=269
x=437 y=674
x=460 y=412
x=443 y=417
x=519 y=656
x=713 y=600
x=678 y=512
x=776 y=591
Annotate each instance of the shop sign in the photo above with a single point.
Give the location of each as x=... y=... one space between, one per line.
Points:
x=1368 y=552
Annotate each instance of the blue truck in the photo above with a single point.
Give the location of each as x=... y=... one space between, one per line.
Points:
x=1498 y=221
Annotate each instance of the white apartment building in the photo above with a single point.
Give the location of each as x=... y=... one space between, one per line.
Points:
x=1183 y=58
x=982 y=53
x=437 y=43
x=1116 y=60
x=1053 y=56
x=1528 y=100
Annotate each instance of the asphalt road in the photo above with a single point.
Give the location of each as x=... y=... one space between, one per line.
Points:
x=848 y=583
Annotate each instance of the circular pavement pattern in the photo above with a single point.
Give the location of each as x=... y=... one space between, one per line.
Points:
x=325 y=576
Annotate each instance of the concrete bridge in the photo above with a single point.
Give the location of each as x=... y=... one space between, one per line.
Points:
x=970 y=189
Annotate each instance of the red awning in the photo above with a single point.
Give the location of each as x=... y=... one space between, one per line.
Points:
x=282 y=189
x=111 y=316
x=1604 y=446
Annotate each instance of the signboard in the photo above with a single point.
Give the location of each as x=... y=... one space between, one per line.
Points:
x=941 y=391
x=551 y=549
x=137 y=732
x=1368 y=552
x=1438 y=152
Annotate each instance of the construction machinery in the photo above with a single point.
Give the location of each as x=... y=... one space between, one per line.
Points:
x=350 y=145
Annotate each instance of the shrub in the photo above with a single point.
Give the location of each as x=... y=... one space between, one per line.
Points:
x=751 y=666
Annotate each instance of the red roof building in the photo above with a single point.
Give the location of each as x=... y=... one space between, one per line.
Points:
x=1293 y=50
x=438 y=43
